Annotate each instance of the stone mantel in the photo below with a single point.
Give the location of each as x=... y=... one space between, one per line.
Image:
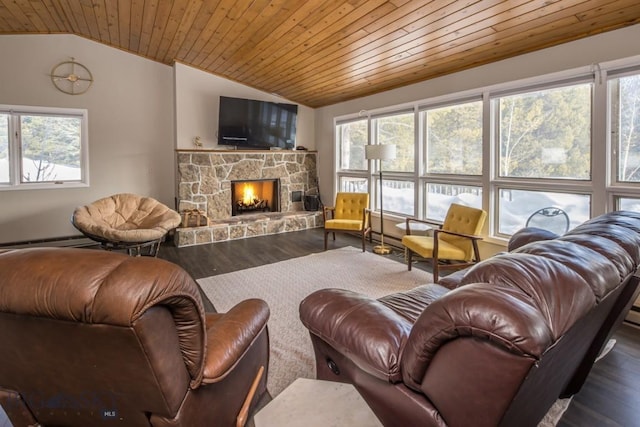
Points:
x=204 y=180
x=209 y=150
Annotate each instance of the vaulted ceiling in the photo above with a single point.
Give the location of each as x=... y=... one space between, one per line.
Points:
x=318 y=52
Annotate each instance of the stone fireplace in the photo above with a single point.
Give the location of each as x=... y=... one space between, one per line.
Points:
x=253 y=196
x=208 y=181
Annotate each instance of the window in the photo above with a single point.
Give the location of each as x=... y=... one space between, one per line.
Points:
x=42 y=148
x=453 y=137
x=570 y=141
x=353 y=184
x=352 y=137
x=628 y=203
x=516 y=206
x=626 y=126
x=544 y=145
x=398 y=196
x=546 y=133
x=453 y=146
x=624 y=97
x=440 y=196
x=4 y=148
x=399 y=130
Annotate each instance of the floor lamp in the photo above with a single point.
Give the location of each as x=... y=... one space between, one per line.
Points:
x=381 y=152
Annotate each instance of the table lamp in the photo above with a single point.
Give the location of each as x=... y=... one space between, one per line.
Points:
x=381 y=152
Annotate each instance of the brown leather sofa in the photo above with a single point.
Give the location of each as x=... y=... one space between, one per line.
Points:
x=93 y=338
x=520 y=330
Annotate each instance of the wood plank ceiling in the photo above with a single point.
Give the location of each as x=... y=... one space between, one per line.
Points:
x=317 y=52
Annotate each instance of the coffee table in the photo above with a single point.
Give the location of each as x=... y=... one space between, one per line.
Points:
x=317 y=403
x=416 y=226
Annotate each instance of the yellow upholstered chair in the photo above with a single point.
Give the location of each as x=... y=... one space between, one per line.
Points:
x=350 y=214
x=454 y=245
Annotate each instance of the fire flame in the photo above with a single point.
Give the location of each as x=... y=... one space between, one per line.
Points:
x=248 y=196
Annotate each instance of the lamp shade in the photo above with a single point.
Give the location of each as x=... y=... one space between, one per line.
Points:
x=380 y=152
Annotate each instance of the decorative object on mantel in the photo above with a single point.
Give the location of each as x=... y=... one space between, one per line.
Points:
x=197 y=142
x=71 y=77
x=194 y=218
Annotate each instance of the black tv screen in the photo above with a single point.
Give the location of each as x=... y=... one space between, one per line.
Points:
x=251 y=124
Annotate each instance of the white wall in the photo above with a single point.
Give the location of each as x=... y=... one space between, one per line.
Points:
x=131 y=132
x=197 y=102
x=596 y=49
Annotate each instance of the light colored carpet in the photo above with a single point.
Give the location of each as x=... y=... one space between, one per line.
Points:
x=284 y=284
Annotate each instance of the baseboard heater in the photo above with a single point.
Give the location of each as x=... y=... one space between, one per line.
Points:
x=60 y=242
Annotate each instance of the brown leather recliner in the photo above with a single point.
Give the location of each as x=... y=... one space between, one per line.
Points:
x=522 y=329
x=94 y=338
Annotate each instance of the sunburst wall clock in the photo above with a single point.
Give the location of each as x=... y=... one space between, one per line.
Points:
x=71 y=77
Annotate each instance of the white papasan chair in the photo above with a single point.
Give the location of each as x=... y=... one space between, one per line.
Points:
x=126 y=221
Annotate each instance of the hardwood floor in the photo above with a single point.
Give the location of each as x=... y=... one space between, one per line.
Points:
x=610 y=397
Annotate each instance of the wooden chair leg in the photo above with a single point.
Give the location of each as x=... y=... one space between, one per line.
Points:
x=363 y=240
x=409 y=258
x=435 y=270
x=334 y=236
x=326 y=236
x=242 y=417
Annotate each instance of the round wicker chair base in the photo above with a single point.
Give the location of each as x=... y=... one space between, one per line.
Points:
x=134 y=249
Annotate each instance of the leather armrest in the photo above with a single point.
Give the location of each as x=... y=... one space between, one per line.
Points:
x=361 y=328
x=230 y=335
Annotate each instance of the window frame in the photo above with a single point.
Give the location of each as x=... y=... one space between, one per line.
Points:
x=602 y=186
x=537 y=184
x=15 y=147
x=338 y=139
x=423 y=110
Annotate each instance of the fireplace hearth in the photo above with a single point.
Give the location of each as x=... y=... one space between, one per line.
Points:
x=252 y=196
x=205 y=177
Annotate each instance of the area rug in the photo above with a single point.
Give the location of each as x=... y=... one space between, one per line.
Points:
x=284 y=284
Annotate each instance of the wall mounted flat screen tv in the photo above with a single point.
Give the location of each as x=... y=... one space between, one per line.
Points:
x=251 y=124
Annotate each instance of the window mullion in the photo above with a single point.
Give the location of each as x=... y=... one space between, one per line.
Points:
x=601 y=158
x=15 y=151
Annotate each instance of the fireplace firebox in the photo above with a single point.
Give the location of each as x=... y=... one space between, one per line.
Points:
x=254 y=196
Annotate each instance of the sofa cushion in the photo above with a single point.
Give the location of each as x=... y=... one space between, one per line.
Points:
x=560 y=294
x=600 y=273
x=410 y=304
x=527 y=235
